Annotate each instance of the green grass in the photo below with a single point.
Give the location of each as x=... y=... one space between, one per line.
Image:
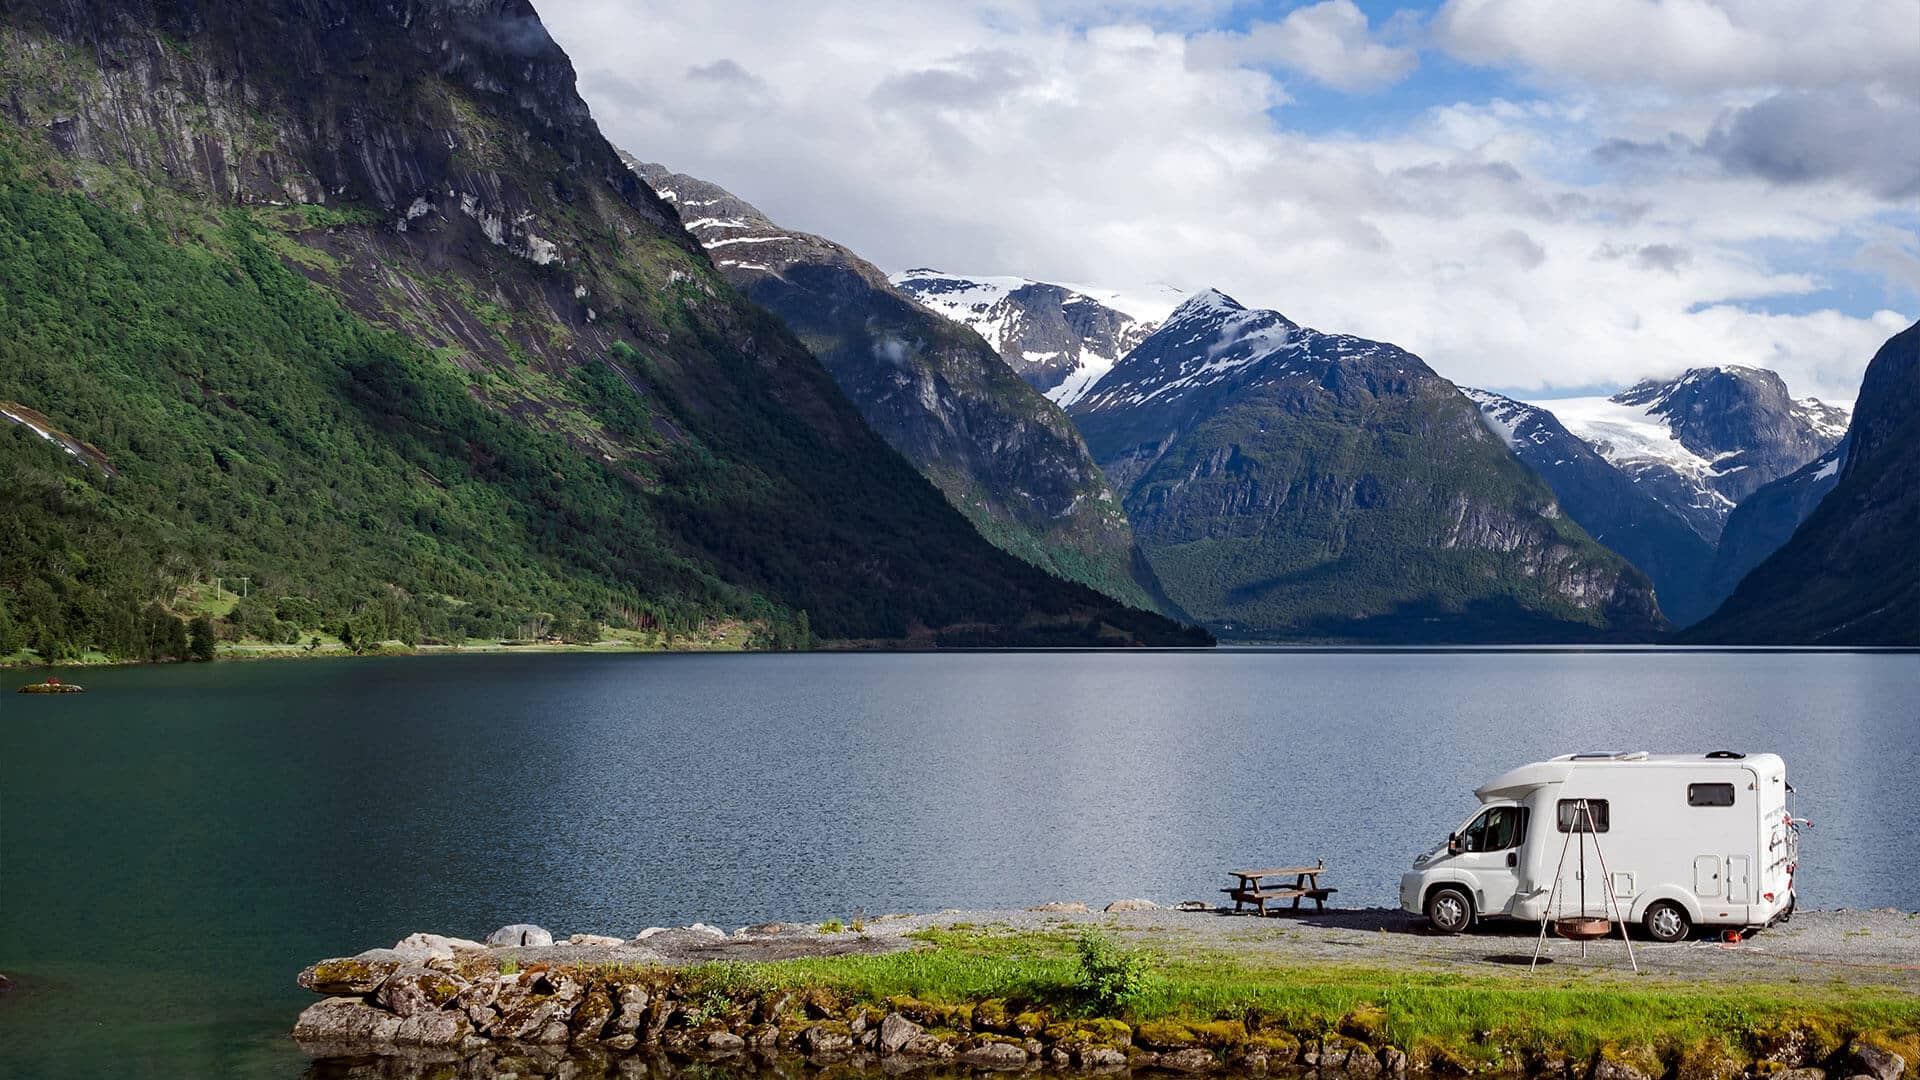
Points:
x=1471 y=1014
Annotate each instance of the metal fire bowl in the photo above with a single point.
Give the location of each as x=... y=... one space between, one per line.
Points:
x=1583 y=929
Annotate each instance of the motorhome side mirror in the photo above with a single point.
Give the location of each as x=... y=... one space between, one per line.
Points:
x=1453 y=843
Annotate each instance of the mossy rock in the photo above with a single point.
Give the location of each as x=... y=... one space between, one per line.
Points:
x=1164 y=1035
x=1099 y=1032
x=1439 y=1059
x=1219 y=1033
x=1280 y=1047
x=347 y=975
x=924 y=1013
x=1032 y=1022
x=1626 y=1062
x=1709 y=1060
x=1367 y=1023
x=990 y=1015
x=1797 y=1040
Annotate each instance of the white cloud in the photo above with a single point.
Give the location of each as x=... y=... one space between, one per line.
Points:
x=1691 y=45
x=1328 y=42
x=1502 y=240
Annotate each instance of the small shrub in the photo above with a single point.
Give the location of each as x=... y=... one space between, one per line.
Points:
x=1112 y=979
x=831 y=926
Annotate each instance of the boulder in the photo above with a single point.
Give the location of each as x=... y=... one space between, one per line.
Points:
x=345 y=1020
x=433 y=1029
x=521 y=934
x=632 y=1011
x=410 y=991
x=590 y=1019
x=1608 y=1068
x=1102 y=1057
x=826 y=1039
x=595 y=939
x=1801 y=1074
x=419 y=948
x=1193 y=905
x=925 y=1045
x=724 y=1042
x=1881 y=1064
x=895 y=1031
x=360 y=974
x=995 y=1055
x=622 y=1042
x=1063 y=907
x=1191 y=1060
x=526 y=1017
x=1135 y=904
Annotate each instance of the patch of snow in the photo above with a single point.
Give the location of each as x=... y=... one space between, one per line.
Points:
x=731 y=240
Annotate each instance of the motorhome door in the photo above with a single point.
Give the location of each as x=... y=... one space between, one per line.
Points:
x=1489 y=857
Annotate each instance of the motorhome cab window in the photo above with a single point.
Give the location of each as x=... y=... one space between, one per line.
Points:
x=1571 y=820
x=1500 y=828
x=1709 y=794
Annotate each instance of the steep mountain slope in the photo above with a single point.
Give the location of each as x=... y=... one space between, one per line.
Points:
x=1005 y=456
x=1060 y=339
x=1848 y=576
x=1766 y=519
x=356 y=301
x=1703 y=441
x=1289 y=483
x=1608 y=504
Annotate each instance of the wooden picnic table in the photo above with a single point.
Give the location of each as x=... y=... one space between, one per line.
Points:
x=1254 y=889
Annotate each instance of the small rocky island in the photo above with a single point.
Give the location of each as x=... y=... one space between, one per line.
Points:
x=522 y=1003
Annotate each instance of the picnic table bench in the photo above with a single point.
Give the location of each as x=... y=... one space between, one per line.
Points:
x=1254 y=889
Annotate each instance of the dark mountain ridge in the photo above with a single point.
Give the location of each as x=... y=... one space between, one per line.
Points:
x=393 y=331
x=1848 y=575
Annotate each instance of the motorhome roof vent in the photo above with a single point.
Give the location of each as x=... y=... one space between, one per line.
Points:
x=1637 y=755
x=1725 y=754
x=1610 y=755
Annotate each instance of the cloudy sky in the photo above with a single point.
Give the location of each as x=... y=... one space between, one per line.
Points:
x=1541 y=196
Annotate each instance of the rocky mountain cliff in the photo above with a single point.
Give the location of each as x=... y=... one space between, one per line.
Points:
x=1006 y=457
x=1619 y=513
x=358 y=302
x=1061 y=340
x=1287 y=483
x=1702 y=442
x=1848 y=575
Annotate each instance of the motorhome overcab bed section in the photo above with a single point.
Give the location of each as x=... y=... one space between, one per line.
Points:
x=1689 y=840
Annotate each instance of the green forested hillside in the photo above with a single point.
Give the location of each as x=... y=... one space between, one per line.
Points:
x=380 y=325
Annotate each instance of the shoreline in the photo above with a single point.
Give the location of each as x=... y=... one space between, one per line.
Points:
x=249 y=653
x=1356 y=995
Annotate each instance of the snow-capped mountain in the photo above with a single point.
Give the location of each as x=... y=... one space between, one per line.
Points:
x=1290 y=483
x=1606 y=502
x=1705 y=440
x=1060 y=338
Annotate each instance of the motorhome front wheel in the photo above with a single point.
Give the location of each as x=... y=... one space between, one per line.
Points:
x=1667 y=921
x=1449 y=910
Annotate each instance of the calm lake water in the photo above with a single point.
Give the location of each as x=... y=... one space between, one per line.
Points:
x=176 y=844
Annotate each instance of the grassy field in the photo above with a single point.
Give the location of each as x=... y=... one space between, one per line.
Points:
x=1220 y=1001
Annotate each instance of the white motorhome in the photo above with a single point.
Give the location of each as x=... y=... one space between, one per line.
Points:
x=1688 y=840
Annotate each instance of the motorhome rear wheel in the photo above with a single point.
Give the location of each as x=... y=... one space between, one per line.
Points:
x=1667 y=921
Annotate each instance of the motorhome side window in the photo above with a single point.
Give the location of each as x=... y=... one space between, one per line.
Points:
x=1572 y=820
x=1709 y=794
x=1499 y=828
